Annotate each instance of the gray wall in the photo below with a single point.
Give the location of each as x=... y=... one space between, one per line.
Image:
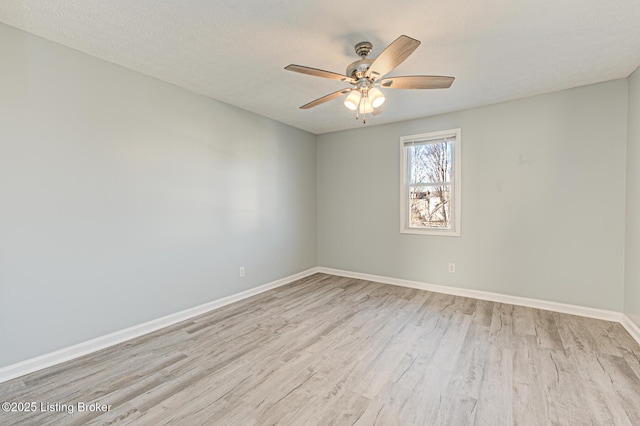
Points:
x=632 y=252
x=543 y=199
x=123 y=198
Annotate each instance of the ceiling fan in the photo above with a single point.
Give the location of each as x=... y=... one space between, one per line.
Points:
x=367 y=75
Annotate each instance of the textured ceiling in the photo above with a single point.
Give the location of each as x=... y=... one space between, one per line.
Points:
x=235 y=51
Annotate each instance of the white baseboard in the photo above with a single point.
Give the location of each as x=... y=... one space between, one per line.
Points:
x=631 y=327
x=484 y=295
x=564 y=308
x=84 y=348
x=102 y=342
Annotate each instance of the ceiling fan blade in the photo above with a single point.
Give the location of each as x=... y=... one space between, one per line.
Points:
x=392 y=56
x=318 y=73
x=324 y=99
x=417 y=82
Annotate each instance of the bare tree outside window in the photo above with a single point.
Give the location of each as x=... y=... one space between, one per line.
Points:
x=431 y=202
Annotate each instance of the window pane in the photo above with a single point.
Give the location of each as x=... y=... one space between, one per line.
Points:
x=430 y=206
x=430 y=163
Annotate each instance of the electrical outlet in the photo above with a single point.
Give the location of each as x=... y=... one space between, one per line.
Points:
x=241 y=271
x=452 y=268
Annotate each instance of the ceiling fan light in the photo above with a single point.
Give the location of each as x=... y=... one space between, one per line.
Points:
x=353 y=100
x=376 y=97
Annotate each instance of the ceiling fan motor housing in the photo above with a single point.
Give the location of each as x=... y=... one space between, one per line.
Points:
x=357 y=69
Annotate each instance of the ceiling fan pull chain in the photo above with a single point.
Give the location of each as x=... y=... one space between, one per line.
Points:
x=366 y=98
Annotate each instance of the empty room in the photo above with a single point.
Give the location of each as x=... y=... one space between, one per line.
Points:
x=314 y=213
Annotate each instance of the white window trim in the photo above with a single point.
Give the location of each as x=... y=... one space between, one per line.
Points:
x=457 y=183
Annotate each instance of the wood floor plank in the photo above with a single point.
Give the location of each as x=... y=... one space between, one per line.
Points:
x=604 y=405
x=332 y=350
x=501 y=332
x=495 y=397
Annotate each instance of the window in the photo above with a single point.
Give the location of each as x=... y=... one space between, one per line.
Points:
x=430 y=183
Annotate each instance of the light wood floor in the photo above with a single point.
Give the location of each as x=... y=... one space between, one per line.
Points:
x=330 y=350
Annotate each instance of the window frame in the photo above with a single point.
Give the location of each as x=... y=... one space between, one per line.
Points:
x=456 y=184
